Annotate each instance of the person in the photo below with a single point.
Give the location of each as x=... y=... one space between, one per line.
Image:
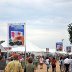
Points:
x=47 y=63
x=2 y=64
x=67 y=64
x=70 y=65
x=61 y=62
x=35 y=62
x=41 y=62
x=53 y=64
x=14 y=65
x=29 y=67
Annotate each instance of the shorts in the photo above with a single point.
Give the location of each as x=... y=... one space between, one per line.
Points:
x=53 y=66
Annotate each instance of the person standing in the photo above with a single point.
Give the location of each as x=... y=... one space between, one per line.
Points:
x=71 y=64
x=29 y=67
x=53 y=65
x=61 y=61
x=47 y=63
x=14 y=66
x=41 y=60
x=2 y=64
x=67 y=64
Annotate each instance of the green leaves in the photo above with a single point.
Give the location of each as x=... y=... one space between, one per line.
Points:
x=70 y=32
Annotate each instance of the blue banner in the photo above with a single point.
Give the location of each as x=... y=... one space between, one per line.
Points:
x=59 y=46
x=16 y=34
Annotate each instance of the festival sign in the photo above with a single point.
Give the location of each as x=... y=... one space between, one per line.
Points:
x=68 y=49
x=59 y=46
x=16 y=34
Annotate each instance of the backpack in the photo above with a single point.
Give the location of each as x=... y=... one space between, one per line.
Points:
x=61 y=62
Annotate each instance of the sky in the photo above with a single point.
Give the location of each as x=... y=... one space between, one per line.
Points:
x=46 y=20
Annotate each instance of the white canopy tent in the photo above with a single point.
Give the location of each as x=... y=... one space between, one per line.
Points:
x=61 y=52
x=52 y=50
x=2 y=49
x=29 y=47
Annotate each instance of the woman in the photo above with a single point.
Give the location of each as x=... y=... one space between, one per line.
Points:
x=41 y=60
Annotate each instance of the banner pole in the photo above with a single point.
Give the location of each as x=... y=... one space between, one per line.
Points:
x=25 y=40
x=63 y=44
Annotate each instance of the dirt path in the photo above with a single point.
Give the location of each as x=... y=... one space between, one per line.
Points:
x=50 y=70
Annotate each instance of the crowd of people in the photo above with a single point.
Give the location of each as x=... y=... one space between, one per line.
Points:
x=16 y=62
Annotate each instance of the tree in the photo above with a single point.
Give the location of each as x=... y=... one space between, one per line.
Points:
x=70 y=32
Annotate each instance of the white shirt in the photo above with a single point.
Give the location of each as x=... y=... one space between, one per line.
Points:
x=41 y=60
x=47 y=61
x=66 y=61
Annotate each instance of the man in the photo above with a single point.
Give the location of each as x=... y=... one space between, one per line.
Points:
x=67 y=64
x=14 y=66
x=29 y=67
x=2 y=64
x=53 y=64
x=47 y=63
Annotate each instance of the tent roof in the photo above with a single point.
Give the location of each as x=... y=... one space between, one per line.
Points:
x=2 y=49
x=29 y=47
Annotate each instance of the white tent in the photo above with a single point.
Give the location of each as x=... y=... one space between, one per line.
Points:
x=2 y=49
x=29 y=47
x=52 y=50
x=61 y=52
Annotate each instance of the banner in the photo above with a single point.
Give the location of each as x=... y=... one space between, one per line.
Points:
x=47 y=49
x=68 y=49
x=16 y=34
x=59 y=46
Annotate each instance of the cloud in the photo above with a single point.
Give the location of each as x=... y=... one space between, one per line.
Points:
x=57 y=23
x=47 y=38
x=33 y=3
x=46 y=20
x=25 y=9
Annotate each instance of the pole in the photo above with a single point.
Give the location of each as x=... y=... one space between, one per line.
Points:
x=25 y=40
x=63 y=44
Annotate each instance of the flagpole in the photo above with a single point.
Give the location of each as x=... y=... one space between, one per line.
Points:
x=25 y=40
x=63 y=44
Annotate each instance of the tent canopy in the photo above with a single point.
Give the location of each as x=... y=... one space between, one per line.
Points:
x=2 y=49
x=29 y=47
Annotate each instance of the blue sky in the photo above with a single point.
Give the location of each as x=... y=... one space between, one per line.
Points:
x=46 y=20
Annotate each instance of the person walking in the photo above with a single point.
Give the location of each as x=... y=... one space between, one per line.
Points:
x=61 y=62
x=2 y=64
x=70 y=68
x=41 y=60
x=14 y=66
x=53 y=65
x=67 y=64
x=29 y=67
x=47 y=63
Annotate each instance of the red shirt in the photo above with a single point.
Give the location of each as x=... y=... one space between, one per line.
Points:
x=54 y=61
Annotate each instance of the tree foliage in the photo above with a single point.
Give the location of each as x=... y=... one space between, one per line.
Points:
x=70 y=32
